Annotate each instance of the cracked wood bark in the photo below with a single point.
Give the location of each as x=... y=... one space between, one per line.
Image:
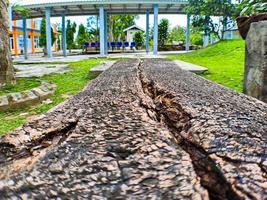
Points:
x=141 y=130
x=6 y=66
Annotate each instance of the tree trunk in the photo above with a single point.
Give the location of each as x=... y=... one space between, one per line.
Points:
x=142 y=130
x=110 y=27
x=6 y=66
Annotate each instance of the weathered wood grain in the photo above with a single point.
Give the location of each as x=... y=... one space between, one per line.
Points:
x=141 y=130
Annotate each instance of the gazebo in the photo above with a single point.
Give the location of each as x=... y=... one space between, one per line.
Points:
x=63 y=8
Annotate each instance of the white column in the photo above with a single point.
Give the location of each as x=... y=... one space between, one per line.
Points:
x=102 y=30
x=106 y=32
x=155 y=37
x=64 y=39
x=147 y=31
x=25 y=39
x=48 y=32
x=187 y=46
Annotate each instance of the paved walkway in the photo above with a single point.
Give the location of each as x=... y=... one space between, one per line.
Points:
x=190 y=67
x=183 y=65
x=38 y=58
x=34 y=70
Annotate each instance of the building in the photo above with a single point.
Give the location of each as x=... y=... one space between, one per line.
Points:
x=103 y=8
x=231 y=33
x=130 y=32
x=33 y=36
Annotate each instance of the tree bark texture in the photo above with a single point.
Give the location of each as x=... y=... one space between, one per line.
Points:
x=141 y=130
x=6 y=66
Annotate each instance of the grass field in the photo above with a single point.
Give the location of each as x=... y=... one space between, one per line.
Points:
x=68 y=84
x=225 y=61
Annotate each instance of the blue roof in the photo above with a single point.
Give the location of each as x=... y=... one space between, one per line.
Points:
x=90 y=7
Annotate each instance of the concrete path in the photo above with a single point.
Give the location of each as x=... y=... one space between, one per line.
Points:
x=39 y=70
x=191 y=67
x=38 y=58
x=181 y=64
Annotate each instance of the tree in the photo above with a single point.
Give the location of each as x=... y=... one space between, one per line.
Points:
x=177 y=34
x=70 y=31
x=163 y=31
x=139 y=38
x=196 y=36
x=250 y=7
x=93 y=28
x=203 y=10
x=118 y=23
x=6 y=66
x=83 y=36
x=42 y=41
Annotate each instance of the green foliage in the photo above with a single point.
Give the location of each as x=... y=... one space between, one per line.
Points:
x=42 y=41
x=163 y=31
x=177 y=34
x=83 y=36
x=93 y=28
x=116 y=25
x=21 y=10
x=70 y=31
x=196 y=36
x=225 y=61
x=119 y=23
x=202 y=10
x=251 y=7
x=22 y=84
x=139 y=38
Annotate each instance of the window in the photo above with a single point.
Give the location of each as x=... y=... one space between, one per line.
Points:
x=11 y=43
x=36 y=42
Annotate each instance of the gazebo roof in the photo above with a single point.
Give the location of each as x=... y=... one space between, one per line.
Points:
x=134 y=27
x=90 y=7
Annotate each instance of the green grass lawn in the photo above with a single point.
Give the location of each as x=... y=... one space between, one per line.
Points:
x=68 y=84
x=225 y=61
x=22 y=84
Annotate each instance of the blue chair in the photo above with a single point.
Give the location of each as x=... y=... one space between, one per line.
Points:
x=86 y=44
x=126 y=44
x=113 y=45
x=93 y=44
x=98 y=44
x=133 y=44
x=119 y=44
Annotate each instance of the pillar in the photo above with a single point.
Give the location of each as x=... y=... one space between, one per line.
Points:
x=205 y=40
x=64 y=36
x=48 y=32
x=15 y=39
x=155 y=37
x=147 y=31
x=106 y=32
x=102 y=30
x=25 y=39
x=32 y=35
x=187 y=46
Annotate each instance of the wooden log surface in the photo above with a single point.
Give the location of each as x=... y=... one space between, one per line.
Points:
x=141 y=130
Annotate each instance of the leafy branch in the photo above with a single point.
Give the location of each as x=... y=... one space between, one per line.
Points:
x=21 y=10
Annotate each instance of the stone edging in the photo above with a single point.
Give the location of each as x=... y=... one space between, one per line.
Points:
x=27 y=97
